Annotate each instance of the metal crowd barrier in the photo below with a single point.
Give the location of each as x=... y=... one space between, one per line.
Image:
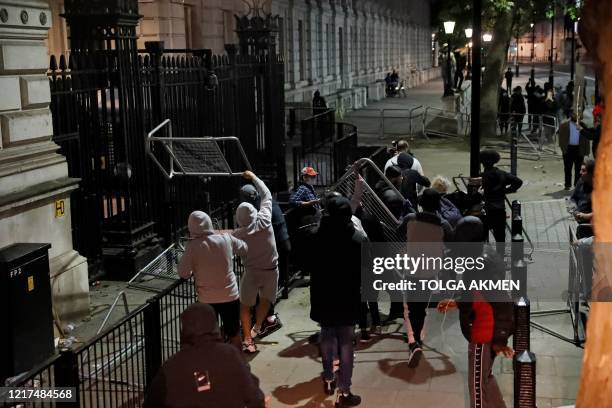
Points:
x=385 y=123
x=445 y=123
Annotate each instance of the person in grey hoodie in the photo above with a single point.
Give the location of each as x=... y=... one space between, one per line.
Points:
x=260 y=264
x=205 y=372
x=209 y=258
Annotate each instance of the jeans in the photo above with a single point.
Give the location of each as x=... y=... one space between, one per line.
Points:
x=339 y=340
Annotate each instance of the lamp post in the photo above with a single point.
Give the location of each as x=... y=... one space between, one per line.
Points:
x=476 y=81
x=487 y=38
x=449 y=27
x=532 y=51
x=551 y=74
x=468 y=34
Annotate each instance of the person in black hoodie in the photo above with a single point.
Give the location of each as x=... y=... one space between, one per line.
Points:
x=335 y=294
x=206 y=372
x=496 y=184
x=486 y=319
x=518 y=109
x=411 y=178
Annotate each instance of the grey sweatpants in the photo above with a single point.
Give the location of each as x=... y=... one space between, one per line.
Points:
x=484 y=391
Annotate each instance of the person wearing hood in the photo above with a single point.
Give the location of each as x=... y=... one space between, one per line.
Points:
x=249 y=194
x=411 y=179
x=260 y=263
x=205 y=372
x=486 y=319
x=209 y=257
x=335 y=294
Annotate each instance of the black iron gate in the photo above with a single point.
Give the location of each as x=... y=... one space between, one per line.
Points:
x=108 y=94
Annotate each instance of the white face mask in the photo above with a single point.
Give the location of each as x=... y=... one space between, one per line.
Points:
x=309 y=180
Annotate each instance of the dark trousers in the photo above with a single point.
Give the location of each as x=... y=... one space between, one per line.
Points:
x=496 y=222
x=337 y=342
x=372 y=307
x=572 y=159
x=458 y=78
x=417 y=311
x=483 y=388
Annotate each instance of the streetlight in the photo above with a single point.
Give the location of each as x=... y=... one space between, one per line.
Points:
x=449 y=27
x=468 y=34
x=487 y=38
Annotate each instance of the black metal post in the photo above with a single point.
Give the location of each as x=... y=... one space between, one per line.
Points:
x=449 y=85
x=469 y=62
x=525 y=380
x=517 y=54
x=153 y=340
x=521 y=340
x=573 y=61
x=476 y=81
x=533 y=52
x=551 y=74
x=66 y=372
x=514 y=153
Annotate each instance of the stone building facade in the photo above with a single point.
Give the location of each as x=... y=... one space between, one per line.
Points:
x=34 y=183
x=344 y=48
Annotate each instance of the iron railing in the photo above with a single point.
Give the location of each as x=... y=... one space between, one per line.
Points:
x=115 y=368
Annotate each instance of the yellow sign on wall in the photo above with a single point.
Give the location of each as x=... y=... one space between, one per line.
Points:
x=30 y=283
x=60 y=208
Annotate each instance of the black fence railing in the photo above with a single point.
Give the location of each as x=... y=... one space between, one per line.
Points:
x=318 y=130
x=115 y=368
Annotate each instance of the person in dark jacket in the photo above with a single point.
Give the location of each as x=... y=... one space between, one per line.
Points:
x=503 y=111
x=581 y=197
x=249 y=194
x=319 y=104
x=487 y=321
x=496 y=184
x=509 y=75
x=574 y=146
x=593 y=134
x=410 y=178
x=517 y=109
x=427 y=231
x=335 y=294
x=206 y=372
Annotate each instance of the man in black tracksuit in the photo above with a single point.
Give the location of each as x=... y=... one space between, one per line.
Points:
x=206 y=372
x=486 y=319
x=496 y=184
x=411 y=178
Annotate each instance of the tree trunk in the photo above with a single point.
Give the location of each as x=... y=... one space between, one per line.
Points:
x=596 y=382
x=496 y=63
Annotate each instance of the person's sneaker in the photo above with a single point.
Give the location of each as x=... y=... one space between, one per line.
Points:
x=347 y=400
x=377 y=330
x=255 y=333
x=270 y=325
x=416 y=351
x=365 y=337
x=249 y=347
x=329 y=386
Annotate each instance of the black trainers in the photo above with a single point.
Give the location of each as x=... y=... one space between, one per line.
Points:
x=347 y=400
x=365 y=337
x=270 y=325
x=416 y=352
x=329 y=386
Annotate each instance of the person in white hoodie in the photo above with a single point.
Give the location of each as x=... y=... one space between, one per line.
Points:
x=209 y=258
x=260 y=264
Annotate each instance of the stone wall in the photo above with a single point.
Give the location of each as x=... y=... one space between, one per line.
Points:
x=330 y=45
x=343 y=48
x=33 y=176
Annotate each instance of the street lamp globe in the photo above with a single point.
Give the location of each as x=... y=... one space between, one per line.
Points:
x=487 y=37
x=531 y=25
x=468 y=33
x=449 y=27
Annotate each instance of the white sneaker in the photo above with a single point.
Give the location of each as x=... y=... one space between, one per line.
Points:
x=255 y=332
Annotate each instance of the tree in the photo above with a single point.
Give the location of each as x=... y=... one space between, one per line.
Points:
x=505 y=19
x=596 y=378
